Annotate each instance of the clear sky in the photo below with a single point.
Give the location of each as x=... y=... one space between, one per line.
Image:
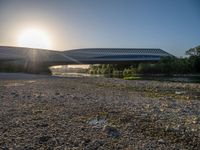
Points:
x=172 y=25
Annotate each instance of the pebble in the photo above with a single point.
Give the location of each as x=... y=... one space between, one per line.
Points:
x=111 y=131
x=67 y=116
x=161 y=141
x=44 y=139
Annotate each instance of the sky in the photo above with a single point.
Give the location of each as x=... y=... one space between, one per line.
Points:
x=172 y=25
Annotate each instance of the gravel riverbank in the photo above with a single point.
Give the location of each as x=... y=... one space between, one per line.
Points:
x=98 y=113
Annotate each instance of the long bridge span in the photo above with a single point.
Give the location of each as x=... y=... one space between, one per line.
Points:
x=40 y=58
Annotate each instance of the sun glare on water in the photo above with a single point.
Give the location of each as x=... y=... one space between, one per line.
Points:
x=34 y=38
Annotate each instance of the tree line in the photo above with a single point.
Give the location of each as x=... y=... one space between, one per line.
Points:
x=166 y=66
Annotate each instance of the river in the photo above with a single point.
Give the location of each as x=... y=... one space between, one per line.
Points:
x=185 y=79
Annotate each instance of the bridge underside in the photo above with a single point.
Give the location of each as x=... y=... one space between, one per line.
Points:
x=79 y=62
x=38 y=60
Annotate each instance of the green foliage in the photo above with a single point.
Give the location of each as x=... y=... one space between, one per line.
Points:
x=166 y=66
x=172 y=66
x=194 y=59
x=194 y=51
x=117 y=73
x=100 y=69
x=195 y=63
x=129 y=72
x=116 y=70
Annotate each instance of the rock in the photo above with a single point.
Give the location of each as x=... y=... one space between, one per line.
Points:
x=111 y=131
x=44 y=139
x=161 y=141
x=57 y=93
x=96 y=144
x=85 y=142
x=75 y=97
x=12 y=93
x=42 y=125
x=16 y=95
x=38 y=96
x=4 y=148
x=129 y=125
x=97 y=122
x=61 y=96
x=28 y=148
x=173 y=104
x=180 y=92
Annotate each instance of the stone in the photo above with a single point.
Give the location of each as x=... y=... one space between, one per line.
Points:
x=111 y=131
x=57 y=93
x=44 y=139
x=161 y=141
x=180 y=92
x=42 y=125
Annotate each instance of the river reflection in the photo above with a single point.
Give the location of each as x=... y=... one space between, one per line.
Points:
x=68 y=74
x=184 y=79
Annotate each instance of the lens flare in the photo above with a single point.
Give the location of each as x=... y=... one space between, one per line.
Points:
x=34 y=38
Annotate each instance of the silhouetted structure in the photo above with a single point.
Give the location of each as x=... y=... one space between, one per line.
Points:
x=38 y=60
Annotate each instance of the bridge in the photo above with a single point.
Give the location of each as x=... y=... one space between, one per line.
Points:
x=36 y=59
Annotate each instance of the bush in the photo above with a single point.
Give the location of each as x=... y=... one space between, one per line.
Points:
x=167 y=66
x=117 y=73
x=129 y=72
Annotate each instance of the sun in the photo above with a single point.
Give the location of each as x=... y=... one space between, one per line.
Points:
x=34 y=38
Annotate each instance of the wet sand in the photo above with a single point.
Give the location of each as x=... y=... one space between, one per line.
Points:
x=43 y=112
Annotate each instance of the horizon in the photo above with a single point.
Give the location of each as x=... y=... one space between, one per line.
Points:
x=66 y=25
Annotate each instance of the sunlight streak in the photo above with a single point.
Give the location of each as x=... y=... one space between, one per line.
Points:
x=34 y=38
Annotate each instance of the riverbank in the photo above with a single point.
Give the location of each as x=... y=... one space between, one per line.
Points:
x=185 y=78
x=21 y=76
x=98 y=113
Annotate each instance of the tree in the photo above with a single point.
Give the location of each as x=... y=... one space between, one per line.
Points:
x=194 y=58
x=194 y=51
